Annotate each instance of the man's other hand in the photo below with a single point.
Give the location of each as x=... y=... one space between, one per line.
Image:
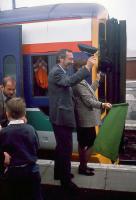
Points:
x=7 y=159
x=90 y=62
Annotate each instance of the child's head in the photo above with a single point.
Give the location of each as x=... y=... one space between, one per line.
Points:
x=15 y=108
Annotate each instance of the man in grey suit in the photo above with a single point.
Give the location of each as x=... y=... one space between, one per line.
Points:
x=61 y=109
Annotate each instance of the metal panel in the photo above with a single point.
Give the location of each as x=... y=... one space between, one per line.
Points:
x=10 y=45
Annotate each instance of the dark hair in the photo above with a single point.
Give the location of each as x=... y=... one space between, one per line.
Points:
x=8 y=78
x=16 y=107
x=62 y=54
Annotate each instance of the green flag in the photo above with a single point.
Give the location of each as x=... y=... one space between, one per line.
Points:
x=108 y=140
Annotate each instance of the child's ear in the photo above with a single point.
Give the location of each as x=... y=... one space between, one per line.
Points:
x=24 y=119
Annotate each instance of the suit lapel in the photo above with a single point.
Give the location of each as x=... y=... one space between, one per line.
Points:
x=88 y=86
x=61 y=68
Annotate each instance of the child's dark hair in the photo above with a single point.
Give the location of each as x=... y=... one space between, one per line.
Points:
x=16 y=107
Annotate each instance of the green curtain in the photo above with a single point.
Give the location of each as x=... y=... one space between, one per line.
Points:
x=108 y=140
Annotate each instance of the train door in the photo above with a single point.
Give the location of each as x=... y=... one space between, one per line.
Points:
x=10 y=54
x=112 y=40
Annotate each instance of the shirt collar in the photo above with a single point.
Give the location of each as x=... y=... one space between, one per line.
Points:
x=18 y=121
x=4 y=96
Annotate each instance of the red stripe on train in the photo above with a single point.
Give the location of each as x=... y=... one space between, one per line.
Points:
x=52 y=47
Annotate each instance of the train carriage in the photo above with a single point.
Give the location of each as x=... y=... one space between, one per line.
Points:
x=30 y=39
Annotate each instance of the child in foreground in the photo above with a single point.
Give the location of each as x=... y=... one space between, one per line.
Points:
x=20 y=140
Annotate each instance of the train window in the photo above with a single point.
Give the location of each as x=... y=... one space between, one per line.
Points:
x=36 y=74
x=9 y=66
x=40 y=75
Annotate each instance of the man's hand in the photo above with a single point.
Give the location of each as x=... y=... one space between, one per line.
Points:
x=90 y=62
x=106 y=105
x=7 y=159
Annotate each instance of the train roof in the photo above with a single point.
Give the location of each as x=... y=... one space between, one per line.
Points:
x=52 y=12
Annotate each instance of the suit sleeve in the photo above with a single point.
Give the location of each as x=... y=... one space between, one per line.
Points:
x=86 y=96
x=3 y=118
x=95 y=85
x=62 y=79
x=2 y=157
x=37 y=143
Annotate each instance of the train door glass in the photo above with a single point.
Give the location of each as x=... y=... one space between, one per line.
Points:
x=40 y=75
x=9 y=66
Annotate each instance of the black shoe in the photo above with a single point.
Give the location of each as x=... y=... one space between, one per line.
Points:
x=86 y=172
x=57 y=177
x=69 y=187
x=91 y=169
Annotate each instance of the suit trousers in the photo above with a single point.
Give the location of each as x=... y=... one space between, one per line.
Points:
x=63 y=152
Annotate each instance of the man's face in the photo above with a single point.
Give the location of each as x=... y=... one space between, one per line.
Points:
x=9 y=89
x=69 y=60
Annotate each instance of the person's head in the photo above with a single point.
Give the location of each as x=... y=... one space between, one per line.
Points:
x=65 y=58
x=9 y=86
x=16 y=108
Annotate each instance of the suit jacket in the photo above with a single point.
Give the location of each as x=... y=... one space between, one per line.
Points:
x=87 y=107
x=3 y=117
x=61 y=107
